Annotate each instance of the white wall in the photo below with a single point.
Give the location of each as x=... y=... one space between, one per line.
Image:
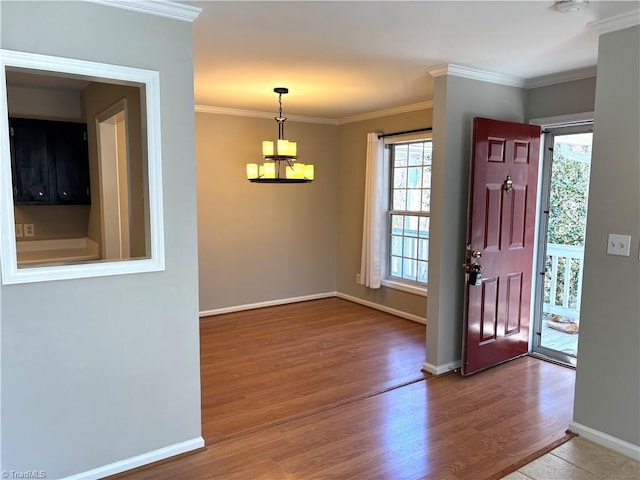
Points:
x=607 y=397
x=99 y=370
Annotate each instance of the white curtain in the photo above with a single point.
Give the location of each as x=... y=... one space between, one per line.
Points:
x=371 y=264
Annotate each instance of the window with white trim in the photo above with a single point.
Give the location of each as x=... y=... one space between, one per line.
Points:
x=408 y=214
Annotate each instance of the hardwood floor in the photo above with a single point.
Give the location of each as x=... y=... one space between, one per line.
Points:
x=264 y=366
x=329 y=389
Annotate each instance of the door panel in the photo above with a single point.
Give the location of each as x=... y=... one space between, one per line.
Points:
x=502 y=202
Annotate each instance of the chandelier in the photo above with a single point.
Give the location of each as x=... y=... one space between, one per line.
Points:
x=280 y=160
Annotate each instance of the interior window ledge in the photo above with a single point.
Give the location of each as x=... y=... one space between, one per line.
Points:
x=405 y=287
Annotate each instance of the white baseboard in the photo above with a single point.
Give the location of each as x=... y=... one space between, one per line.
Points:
x=270 y=303
x=606 y=440
x=440 y=369
x=392 y=311
x=139 y=460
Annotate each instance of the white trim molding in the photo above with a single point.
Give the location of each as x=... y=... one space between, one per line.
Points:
x=326 y=121
x=255 y=114
x=440 y=369
x=619 y=22
x=563 y=120
x=387 y=112
x=476 y=74
x=167 y=9
x=140 y=460
x=317 y=296
x=115 y=74
x=382 y=308
x=606 y=440
x=509 y=80
x=269 y=303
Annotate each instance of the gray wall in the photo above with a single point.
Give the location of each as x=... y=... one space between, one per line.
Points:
x=456 y=102
x=263 y=242
x=99 y=370
x=353 y=154
x=607 y=395
x=97 y=98
x=561 y=99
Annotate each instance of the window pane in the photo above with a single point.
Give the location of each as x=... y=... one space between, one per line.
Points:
x=415 y=178
x=423 y=271
x=399 y=178
x=396 y=245
x=424 y=227
x=396 y=224
x=426 y=176
x=428 y=153
x=426 y=200
x=410 y=269
x=414 y=200
x=411 y=225
x=399 y=200
x=396 y=266
x=416 y=153
x=400 y=155
x=423 y=249
x=410 y=247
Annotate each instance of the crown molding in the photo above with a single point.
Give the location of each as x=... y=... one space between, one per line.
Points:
x=255 y=114
x=619 y=22
x=476 y=74
x=387 y=112
x=325 y=121
x=546 y=80
x=168 y=9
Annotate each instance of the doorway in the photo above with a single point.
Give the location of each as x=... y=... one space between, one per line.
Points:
x=114 y=181
x=562 y=227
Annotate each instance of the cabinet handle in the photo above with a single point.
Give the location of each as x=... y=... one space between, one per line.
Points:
x=64 y=194
x=40 y=194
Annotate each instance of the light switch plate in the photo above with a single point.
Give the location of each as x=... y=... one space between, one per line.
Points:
x=619 y=245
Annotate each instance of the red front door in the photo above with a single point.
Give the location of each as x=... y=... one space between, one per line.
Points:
x=502 y=206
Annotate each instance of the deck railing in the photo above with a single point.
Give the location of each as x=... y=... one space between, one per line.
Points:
x=563 y=280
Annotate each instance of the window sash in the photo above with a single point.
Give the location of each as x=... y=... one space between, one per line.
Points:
x=408 y=244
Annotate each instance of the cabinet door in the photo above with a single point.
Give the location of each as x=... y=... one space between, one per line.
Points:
x=29 y=162
x=69 y=149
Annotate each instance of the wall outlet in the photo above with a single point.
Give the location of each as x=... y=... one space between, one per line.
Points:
x=29 y=231
x=619 y=245
x=357 y=278
x=19 y=230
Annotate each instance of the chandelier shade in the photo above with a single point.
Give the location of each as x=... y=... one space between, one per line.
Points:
x=280 y=158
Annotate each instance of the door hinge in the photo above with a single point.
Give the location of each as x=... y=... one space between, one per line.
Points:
x=84 y=135
x=11 y=132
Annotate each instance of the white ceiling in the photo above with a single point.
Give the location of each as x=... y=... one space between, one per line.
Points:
x=346 y=58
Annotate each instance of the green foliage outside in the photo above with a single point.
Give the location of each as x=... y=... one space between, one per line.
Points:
x=568 y=200
x=567 y=216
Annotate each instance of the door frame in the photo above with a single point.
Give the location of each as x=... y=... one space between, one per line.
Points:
x=113 y=171
x=564 y=123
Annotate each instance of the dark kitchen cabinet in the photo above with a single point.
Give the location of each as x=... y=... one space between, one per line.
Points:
x=49 y=162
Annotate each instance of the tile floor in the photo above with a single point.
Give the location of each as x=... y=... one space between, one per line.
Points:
x=579 y=459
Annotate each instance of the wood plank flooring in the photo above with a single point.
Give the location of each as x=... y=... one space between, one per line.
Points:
x=332 y=390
